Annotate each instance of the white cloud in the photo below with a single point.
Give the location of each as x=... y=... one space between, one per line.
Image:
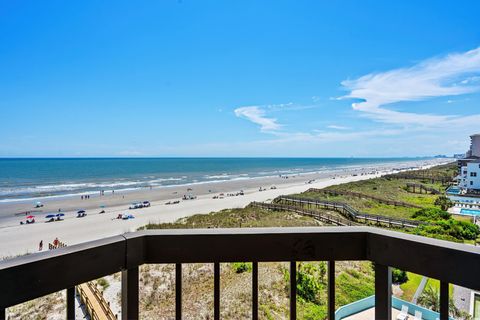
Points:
x=258 y=116
x=452 y=75
x=336 y=127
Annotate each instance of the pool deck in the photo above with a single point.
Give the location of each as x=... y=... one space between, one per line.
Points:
x=369 y=314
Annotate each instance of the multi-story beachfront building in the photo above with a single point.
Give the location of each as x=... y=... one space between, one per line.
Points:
x=469 y=168
x=470 y=175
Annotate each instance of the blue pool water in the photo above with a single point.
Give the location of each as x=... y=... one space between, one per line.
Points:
x=453 y=190
x=470 y=211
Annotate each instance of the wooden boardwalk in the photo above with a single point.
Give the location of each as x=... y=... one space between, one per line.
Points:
x=363 y=196
x=349 y=212
x=95 y=305
x=320 y=216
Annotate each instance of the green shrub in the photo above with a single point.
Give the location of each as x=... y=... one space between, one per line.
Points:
x=310 y=280
x=431 y=214
x=240 y=267
x=103 y=283
x=399 y=276
x=450 y=229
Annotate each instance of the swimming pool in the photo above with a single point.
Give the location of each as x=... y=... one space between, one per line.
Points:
x=470 y=212
x=453 y=190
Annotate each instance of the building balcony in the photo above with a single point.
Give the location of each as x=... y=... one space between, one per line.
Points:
x=32 y=276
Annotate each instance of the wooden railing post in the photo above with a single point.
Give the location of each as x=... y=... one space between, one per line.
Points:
x=444 y=300
x=130 y=294
x=293 y=290
x=71 y=303
x=331 y=289
x=254 y=290
x=178 y=291
x=216 y=291
x=383 y=292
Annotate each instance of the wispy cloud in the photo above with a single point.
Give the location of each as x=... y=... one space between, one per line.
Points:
x=336 y=127
x=452 y=75
x=258 y=116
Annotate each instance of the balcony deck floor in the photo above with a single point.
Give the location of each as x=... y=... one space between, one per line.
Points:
x=369 y=314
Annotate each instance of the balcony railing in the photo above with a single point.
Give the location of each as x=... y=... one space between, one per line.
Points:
x=32 y=276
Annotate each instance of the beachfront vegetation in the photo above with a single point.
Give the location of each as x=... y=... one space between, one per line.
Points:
x=248 y=217
x=427 y=207
x=440 y=224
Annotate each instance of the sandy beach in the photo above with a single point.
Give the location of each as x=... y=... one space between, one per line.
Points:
x=16 y=239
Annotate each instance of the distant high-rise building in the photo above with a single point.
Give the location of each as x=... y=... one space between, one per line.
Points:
x=474 y=146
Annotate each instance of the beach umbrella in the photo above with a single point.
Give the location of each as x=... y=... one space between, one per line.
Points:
x=30 y=217
x=60 y=214
x=81 y=211
x=49 y=216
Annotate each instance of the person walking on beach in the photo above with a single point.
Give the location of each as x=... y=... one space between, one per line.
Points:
x=40 y=245
x=55 y=242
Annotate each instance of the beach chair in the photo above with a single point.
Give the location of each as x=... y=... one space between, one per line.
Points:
x=418 y=315
x=403 y=315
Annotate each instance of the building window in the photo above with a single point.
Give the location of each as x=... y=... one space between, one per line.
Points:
x=464 y=171
x=473 y=174
x=471 y=183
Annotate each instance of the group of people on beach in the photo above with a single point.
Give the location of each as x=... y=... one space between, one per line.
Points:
x=56 y=243
x=85 y=197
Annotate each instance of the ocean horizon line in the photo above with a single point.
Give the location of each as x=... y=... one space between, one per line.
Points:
x=212 y=157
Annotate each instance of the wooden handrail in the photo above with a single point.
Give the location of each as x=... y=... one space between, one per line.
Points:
x=29 y=277
x=347 y=210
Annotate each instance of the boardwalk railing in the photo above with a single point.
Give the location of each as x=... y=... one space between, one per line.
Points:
x=32 y=276
x=320 y=216
x=350 y=212
x=363 y=196
x=420 y=187
x=417 y=176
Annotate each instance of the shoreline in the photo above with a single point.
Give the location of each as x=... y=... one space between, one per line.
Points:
x=91 y=187
x=18 y=239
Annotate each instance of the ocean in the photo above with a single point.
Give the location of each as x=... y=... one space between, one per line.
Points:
x=29 y=178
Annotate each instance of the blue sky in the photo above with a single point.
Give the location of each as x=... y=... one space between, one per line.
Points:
x=245 y=78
